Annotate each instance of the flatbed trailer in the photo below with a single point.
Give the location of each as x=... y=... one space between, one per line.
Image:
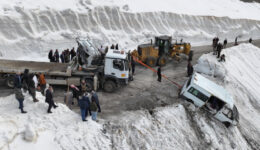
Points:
x=108 y=76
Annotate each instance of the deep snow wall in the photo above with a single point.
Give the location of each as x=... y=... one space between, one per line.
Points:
x=40 y=30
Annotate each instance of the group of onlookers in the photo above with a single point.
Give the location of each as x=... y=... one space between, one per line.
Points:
x=65 y=57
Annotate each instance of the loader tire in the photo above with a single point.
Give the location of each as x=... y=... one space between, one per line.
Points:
x=151 y=61
x=162 y=61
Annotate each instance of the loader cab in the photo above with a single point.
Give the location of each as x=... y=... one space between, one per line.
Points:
x=214 y=98
x=163 y=43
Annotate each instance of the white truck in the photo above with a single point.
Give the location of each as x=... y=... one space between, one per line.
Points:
x=112 y=72
x=202 y=92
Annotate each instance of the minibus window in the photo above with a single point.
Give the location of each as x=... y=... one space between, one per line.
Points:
x=198 y=94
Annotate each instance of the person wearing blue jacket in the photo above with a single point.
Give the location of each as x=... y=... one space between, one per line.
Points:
x=84 y=106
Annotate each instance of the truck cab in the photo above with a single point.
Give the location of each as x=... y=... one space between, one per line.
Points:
x=116 y=69
x=204 y=93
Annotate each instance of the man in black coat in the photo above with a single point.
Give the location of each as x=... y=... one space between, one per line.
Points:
x=219 y=48
x=189 y=69
x=32 y=88
x=25 y=79
x=49 y=99
x=159 y=74
x=50 y=56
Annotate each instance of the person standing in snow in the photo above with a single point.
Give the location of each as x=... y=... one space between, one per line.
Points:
x=75 y=92
x=49 y=99
x=189 y=69
x=32 y=88
x=93 y=109
x=116 y=46
x=84 y=106
x=250 y=40
x=25 y=79
x=42 y=82
x=50 y=56
x=225 y=43
x=95 y=96
x=57 y=56
x=72 y=53
x=35 y=79
x=18 y=92
x=159 y=74
x=219 y=48
x=236 y=41
x=62 y=57
x=83 y=87
x=112 y=46
x=68 y=98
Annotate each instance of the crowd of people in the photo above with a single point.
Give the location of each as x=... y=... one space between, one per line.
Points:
x=87 y=102
x=65 y=57
x=28 y=82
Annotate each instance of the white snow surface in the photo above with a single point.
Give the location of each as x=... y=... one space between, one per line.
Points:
x=178 y=126
x=63 y=129
x=30 y=28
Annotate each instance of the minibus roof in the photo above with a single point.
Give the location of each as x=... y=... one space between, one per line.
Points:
x=214 y=89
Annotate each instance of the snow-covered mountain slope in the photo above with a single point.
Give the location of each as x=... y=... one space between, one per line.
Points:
x=31 y=28
x=177 y=126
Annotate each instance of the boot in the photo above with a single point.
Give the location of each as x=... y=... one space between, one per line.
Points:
x=35 y=100
x=23 y=112
x=49 y=112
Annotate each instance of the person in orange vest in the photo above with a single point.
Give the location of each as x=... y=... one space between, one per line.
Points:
x=42 y=82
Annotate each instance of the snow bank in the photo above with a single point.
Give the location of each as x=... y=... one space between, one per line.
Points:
x=29 y=29
x=61 y=130
x=240 y=75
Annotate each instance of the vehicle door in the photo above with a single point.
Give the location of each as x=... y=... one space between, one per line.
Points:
x=225 y=114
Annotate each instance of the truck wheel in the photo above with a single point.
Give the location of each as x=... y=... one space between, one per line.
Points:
x=9 y=81
x=109 y=86
x=151 y=61
x=162 y=61
x=227 y=124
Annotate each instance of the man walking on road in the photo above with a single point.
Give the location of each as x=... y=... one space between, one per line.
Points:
x=49 y=99
x=159 y=74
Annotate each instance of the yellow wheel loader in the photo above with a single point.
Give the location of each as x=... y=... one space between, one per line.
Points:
x=157 y=53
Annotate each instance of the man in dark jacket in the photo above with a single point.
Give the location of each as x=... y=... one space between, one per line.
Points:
x=159 y=74
x=57 y=56
x=62 y=57
x=32 y=88
x=250 y=40
x=219 y=48
x=50 y=56
x=18 y=92
x=189 y=69
x=95 y=96
x=84 y=107
x=72 y=53
x=49 y=99
x=93 y=109
x=25 y=79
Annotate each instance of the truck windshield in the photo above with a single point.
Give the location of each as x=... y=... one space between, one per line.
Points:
x=118 y=64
